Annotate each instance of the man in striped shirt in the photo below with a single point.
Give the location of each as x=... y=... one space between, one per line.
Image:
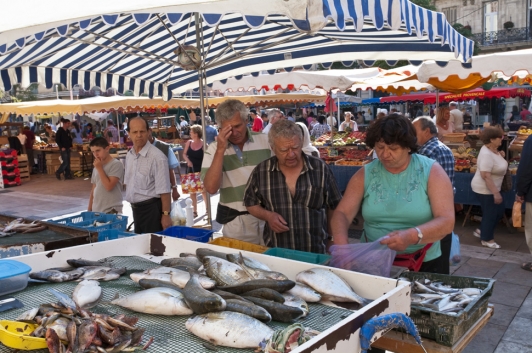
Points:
x=294 y=193
x=227 y=165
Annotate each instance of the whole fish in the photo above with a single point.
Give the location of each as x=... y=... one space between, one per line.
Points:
x=229 y=329
x=109 y=337
x=199 y=299
x=248 y=308
x=163 y=277
x=330 y=286
x=256 y=273
x=471 y=291
x=265 y=293
x=63 y=299
x=114 y=273
x=87 y=294
x=86 y=333
x=94 y=272
x=305 y=292
x=203 y=252
x=227 y=295
x=442 y=289
x=72 y=336
x=225 y=273
x=28 y=315
x=84 y=263
x=154 y=283
x=57 y=276
x=180 y=278
x=296 y=302
x=249 y=262
x=421 y=288
x=279 y=286
x=60 y=327
x=159 y=301
x=279 y=312
x=52 y=341
x=189 y=261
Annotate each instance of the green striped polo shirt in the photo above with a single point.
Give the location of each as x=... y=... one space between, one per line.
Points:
x=236 y=172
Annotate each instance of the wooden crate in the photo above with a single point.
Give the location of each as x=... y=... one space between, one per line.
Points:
x=22 y=158
x=51 y=169
x=24 y=179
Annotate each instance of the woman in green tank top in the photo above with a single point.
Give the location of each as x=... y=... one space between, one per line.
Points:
x=404 y=197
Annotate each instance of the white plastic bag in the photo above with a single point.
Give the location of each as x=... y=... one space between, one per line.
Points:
x=178 y=215
x=454 y=257
x=371 y=258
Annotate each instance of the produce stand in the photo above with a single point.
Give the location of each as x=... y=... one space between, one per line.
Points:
x=401 y=343
x=339 y=327
x=56 y=236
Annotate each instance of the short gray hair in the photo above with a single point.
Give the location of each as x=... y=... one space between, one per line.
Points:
x=227 y=110
x=272 y=112
x=427 y=123
x=284 y=129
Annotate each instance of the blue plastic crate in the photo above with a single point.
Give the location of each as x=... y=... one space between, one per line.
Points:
x=312 y=258
x=82 y=217
x=117 y=222
x=189 y=233
x=111 y=234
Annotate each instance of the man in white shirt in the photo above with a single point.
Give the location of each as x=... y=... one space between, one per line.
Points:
x=457 y=117
x=331 y=121
x=273 y=116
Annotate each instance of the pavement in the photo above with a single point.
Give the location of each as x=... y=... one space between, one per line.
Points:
x=507 y=331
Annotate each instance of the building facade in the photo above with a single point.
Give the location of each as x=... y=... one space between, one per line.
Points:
x=497 y=25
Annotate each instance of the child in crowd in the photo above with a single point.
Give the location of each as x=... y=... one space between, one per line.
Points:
x=107 y=179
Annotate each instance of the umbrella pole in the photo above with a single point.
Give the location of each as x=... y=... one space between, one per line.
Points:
x=201 y=77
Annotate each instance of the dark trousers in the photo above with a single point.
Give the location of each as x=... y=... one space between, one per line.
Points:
x=445 y=245
x=31 y=161
x=147 y=216
x=65 y=166
x=491 y=215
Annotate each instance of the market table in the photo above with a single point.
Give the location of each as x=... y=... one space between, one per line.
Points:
x=399 y=342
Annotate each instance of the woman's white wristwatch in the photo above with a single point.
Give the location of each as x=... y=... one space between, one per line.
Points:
x=419 y=235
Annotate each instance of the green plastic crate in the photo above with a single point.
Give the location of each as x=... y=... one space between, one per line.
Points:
x=444 y=328
x=312 y=258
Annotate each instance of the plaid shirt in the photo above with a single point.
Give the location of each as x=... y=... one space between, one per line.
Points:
x=305 y=212
x=442 y=154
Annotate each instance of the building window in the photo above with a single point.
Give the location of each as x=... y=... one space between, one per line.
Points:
x=450 y=14
x=490 y=16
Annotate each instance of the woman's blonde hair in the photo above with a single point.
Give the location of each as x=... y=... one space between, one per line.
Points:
x=440 y=113
x=197 y=130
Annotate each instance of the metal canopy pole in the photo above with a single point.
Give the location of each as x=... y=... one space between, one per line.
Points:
x=202 y=84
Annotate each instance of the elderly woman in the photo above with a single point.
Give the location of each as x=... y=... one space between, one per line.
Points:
x=491 y=167
x=405 y=197
x=348 y=123
x=444 y=125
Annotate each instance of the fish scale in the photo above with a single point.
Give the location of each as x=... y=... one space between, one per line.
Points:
x=178 y=339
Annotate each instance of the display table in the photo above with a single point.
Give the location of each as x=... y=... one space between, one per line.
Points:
x=399 y=342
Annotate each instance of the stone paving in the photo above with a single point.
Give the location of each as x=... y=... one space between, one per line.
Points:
x=509 y=330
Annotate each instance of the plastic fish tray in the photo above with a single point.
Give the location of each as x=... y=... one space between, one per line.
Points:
x=312 y=258
x=447 y=329
x=189 y=233
x=111 y=234
x=238 y=244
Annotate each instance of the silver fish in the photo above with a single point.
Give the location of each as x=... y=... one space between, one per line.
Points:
x=256 y=273
x=255 y=264
x=189 y=261
x=471 y=291
x=28 y=315
x=180 y=278
x=63 y=299
x=57 y=276
x=421 y=288
x=330 y=286
x=229 y=329
x=158 y=301
x=442 y=289
x=305 y=292
x=296 y=302
x=225 y=273
x=87 y=293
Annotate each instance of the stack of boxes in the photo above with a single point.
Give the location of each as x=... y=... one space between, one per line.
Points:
x=80 y=163
x=52 y=162
x=9 y=169
x=23 y=166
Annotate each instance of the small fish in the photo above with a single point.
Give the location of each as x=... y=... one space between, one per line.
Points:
x=28 y=315
x=147 y=283
x=57 y=276
x=159 y=301
x=296 y=302
x=266 y=293
x=305 y=292
x=247 y=308
x=87 y=293
x=189 y=261
x=421 y=288
x=84 y=263
x=63 y=299
x=200 y=300
x=471 y=291
x=279 y=286
x=279 y=312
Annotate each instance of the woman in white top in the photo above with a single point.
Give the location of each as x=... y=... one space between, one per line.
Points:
x=444 y=125
x=491 y=167
x=348 y=123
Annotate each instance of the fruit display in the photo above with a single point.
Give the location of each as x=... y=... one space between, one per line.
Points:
x=351 y=162
x=465 y=159
x=341 y=138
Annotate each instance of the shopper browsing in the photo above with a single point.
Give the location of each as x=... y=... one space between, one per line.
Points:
x=107 y=179
x=294 y=193
x=227 y=165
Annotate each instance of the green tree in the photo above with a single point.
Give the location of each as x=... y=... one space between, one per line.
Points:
x=24 y=95
x=427 y=4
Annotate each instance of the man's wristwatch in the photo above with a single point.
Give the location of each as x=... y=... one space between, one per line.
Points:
x=174 y=186
x=419 y=235
x=166 y=213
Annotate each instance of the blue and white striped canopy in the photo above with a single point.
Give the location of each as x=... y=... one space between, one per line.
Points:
x=131 y=46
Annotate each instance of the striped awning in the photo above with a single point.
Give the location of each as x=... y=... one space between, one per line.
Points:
x=131 y=46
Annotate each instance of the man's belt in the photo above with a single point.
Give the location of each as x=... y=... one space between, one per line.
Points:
x=145 y=203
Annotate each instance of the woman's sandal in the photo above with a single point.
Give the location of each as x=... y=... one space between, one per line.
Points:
x=195 y=214
x=527 y=266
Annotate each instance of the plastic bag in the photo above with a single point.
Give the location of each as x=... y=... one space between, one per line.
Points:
x=455 y=257
x=178 y=215
x=371 y=258
x=517 y=218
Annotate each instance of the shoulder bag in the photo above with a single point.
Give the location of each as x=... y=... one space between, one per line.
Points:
x=191 y=183
x=507 y=182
